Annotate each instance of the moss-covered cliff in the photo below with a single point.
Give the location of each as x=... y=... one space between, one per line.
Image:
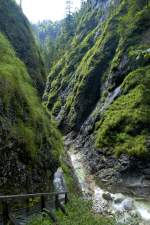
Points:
x=100 y=89
x=29 y=142
x=16 y=27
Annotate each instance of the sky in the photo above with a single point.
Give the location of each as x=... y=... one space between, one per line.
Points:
x=38 y=10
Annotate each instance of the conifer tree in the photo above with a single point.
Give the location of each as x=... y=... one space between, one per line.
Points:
x=21 y=4
x=147 y=3
x=69 y=4
x=82 y=2
x=69 y=17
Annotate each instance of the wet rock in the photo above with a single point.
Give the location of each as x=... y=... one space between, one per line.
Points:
x=128 y=204
x=119 y=198
x=107 y=196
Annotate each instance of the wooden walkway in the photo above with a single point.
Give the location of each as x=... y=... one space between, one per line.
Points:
x=7 y=200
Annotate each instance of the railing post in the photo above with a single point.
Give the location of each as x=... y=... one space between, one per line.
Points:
x=66 y=198
x=42 y=202
x=56 y=201
x=27 y=205
x=5 y=212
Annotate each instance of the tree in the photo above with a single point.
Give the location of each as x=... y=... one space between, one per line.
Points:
x=69 y=4
x=69 y=17
x=82 y=2
x=21 y=4
x=147 y=3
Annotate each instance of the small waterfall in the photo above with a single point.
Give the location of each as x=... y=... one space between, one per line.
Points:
x=111 y=98
x=59 y=183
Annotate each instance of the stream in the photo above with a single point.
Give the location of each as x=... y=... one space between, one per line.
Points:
x=127 y=210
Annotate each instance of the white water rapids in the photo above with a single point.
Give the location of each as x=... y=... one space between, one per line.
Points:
x=127 y=210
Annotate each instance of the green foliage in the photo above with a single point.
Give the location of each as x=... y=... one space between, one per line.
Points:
x=17 y=29
x=24 y=122
x=125 y=126
x=39 y=220
x=57 y=107
x=78 y=66
x=102 y=57
x=46 y=33
x=79 y=212
x=64 y=68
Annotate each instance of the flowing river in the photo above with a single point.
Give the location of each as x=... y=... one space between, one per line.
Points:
x=126 y=209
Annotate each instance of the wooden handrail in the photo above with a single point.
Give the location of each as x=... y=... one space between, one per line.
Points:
x=6 y=210
x=9 y=197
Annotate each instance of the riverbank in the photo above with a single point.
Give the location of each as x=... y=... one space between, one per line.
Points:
x=79 y=213
x=126 y=209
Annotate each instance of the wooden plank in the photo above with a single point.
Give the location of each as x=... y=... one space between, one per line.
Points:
x=6 y=197
x=13 y=220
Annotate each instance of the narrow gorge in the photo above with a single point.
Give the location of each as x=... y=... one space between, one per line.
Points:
x=75 y=95
x=98 y=93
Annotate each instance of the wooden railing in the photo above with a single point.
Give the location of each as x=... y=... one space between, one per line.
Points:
x=7 y=214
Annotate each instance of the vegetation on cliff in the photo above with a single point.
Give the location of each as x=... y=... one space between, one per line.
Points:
x=16 y=27
x=125 y=125
x=111 y=50
x=30 y=144
x=46 y=33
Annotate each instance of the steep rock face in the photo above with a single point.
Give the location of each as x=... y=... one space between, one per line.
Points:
x=29 y=142
x=70 y=67
x=100 y=91
x=17 y=29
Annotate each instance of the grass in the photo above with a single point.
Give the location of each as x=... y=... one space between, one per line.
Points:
x=79 y=212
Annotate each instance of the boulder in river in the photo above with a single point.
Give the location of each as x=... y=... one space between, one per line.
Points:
x=107 y=196
x=128 y=204
x=118 y=198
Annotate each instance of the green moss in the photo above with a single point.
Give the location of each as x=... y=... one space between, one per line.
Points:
x=124 y=128
x=25 y=124
x=67 y=65
x=16 y=27
x=57 y=107
x=89 y=73
x=104 y=56
x=25 y=135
